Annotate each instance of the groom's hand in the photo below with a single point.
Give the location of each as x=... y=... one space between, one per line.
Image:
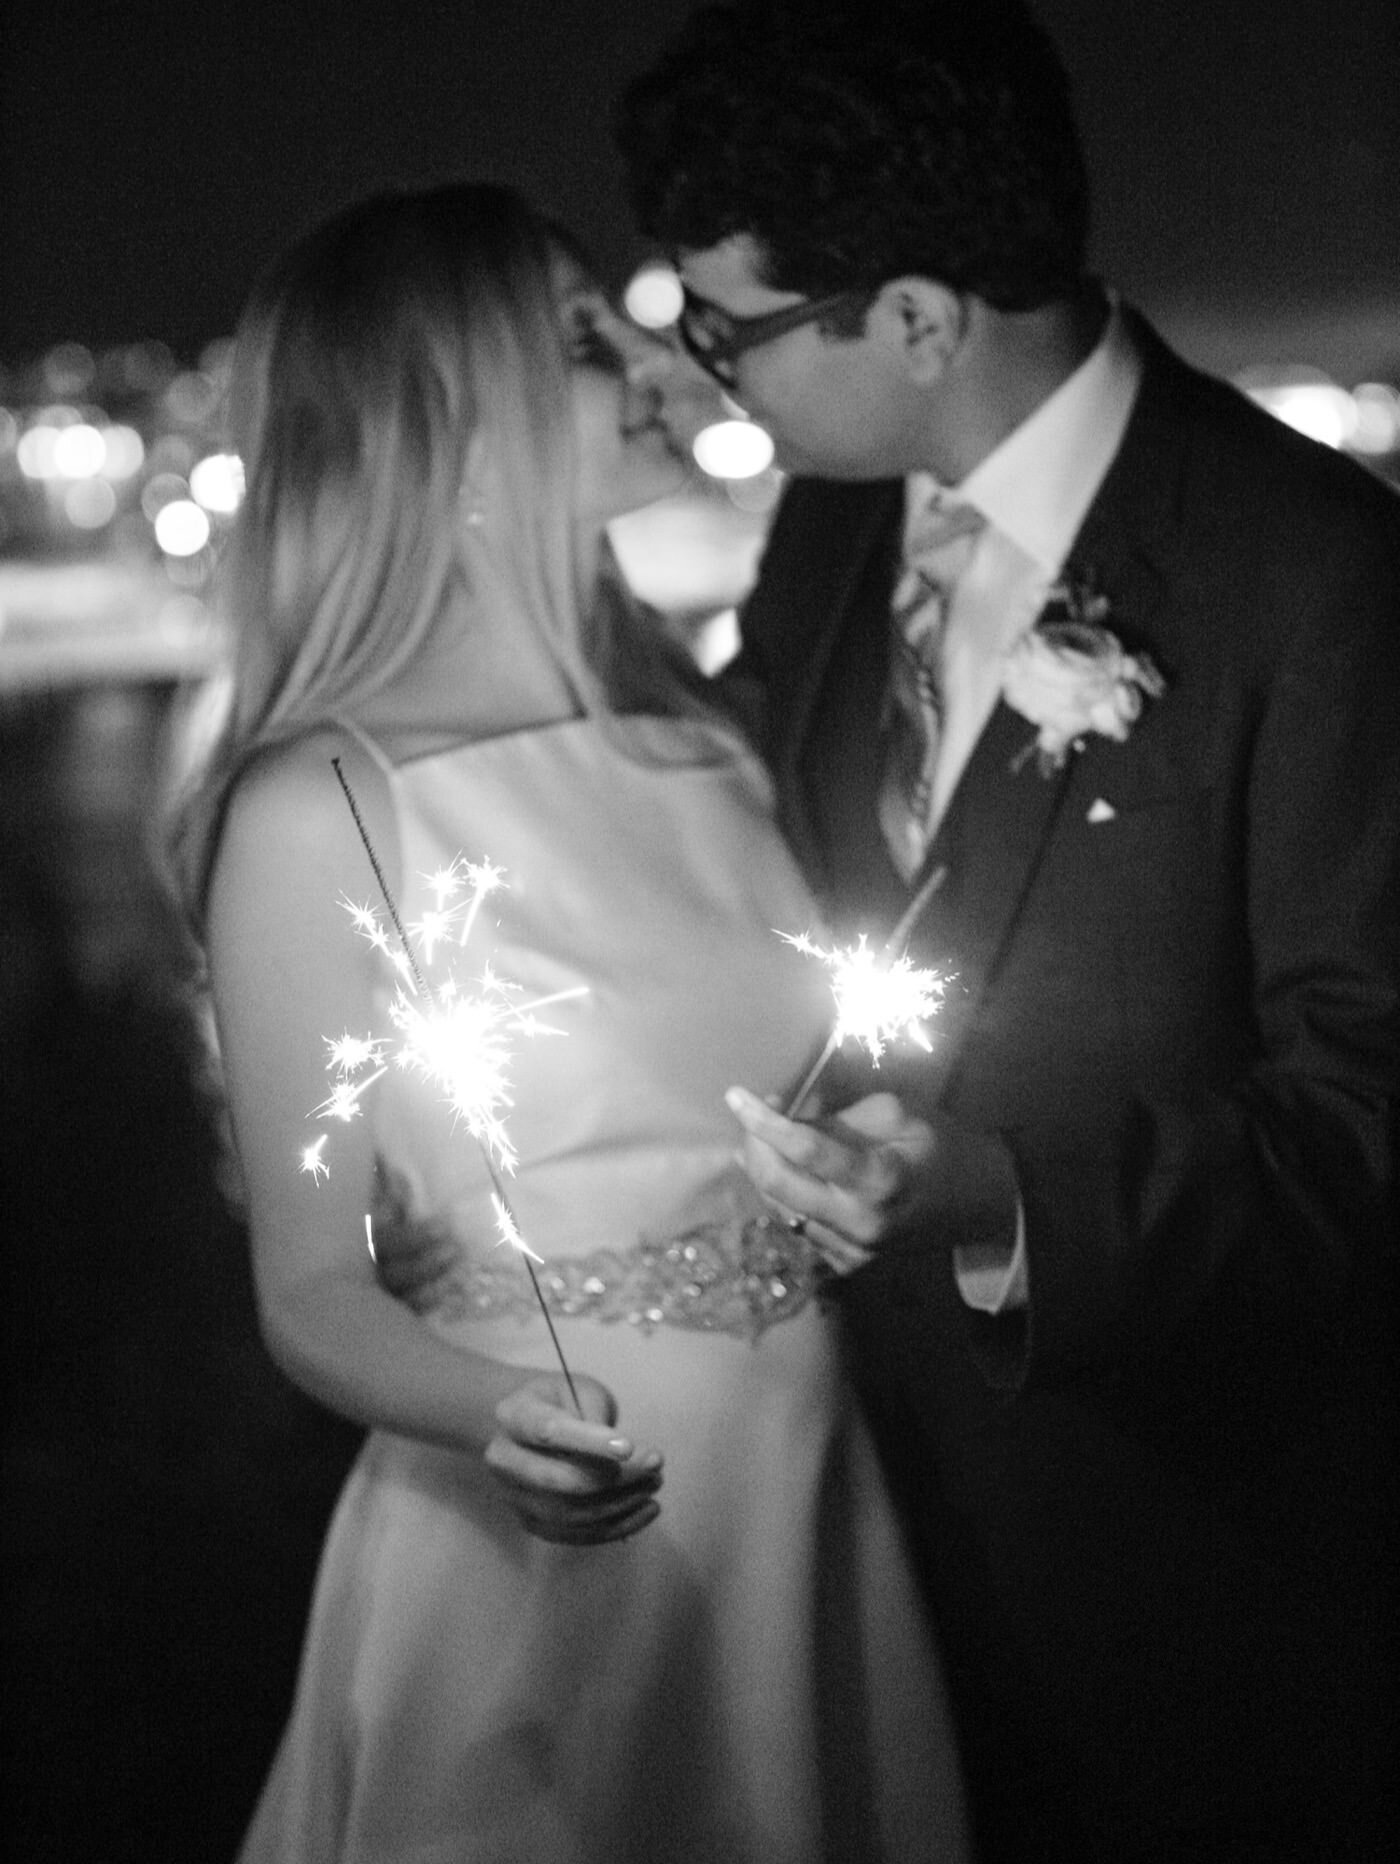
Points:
x=872 y=1176
x=851 y=1181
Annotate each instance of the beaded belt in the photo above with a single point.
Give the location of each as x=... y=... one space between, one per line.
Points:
x=723 y=1278
x=737 y=1276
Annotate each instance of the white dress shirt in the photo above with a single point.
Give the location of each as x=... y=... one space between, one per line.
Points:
x=1034 y=489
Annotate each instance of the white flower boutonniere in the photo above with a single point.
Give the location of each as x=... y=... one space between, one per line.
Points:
x=1070 y=675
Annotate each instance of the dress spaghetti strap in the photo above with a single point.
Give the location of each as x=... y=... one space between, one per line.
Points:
x=370 y=746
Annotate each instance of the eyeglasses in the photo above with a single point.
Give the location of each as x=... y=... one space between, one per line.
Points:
x=716 y=340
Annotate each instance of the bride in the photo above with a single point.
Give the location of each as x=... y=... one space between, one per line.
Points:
x=656 y=1608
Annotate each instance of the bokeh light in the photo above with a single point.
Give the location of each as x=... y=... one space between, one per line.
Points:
x=69 y=369
x=191 y=397
x=79 y=451
x=125 y=451
x=166 y=488
x=653 y=297
x=1377 y=429
x=1306 y=400
x=90 y=504
x=715 y=641
x=35 y=451
x=733 y=450
x=182 y=528
x=118 y=459
x=217 y=482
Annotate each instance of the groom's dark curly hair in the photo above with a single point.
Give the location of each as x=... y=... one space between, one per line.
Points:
x=859 y=140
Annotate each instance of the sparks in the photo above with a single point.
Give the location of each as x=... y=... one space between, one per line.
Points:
x=351 y=1053
x=485 y=879
x=456 y=1036
x=430 y=931
x=343 y=1101
x=478 y=879
x=880 y=996
x=459 y=1044
x=453 y=1037
x=366 y=922
x=510 y=1229
x=878 y=1000
x=311 y=1160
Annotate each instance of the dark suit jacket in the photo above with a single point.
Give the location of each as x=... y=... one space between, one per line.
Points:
x=1153 y=1508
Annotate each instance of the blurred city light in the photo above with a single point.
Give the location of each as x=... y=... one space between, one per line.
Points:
x=171 y=453
x=1304 y=399
x=653 y=297
x=117 y=463
x=79 y=451
x=35 y=451
x=732 y=450
x=1377 y=427
x=90 y=504
x=191 y=397
x=217 y=482
x=182 y=528
x=166 y=488
x=715 y=641
x=68 y=369
x=124 y=451
x=144 y=368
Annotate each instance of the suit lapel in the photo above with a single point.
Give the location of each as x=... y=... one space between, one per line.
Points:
x=1000 y=819
x=989 y=844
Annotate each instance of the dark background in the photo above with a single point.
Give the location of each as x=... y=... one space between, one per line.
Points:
x=165 y=1490
x=1245 y=153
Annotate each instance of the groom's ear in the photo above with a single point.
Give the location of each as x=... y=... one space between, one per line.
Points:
x=922 y=322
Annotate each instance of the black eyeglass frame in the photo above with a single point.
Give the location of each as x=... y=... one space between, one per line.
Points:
x=736 y=335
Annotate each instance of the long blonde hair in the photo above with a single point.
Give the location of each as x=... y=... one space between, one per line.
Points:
x=369 y=360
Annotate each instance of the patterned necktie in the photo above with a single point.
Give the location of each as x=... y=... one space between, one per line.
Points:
x=939 y=544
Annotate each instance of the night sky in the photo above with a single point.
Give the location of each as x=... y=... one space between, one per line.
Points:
x=1245 y=153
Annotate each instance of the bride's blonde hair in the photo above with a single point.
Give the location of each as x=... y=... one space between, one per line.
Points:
x=407 y=338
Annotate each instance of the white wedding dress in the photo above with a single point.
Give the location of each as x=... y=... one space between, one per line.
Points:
x=748 y=1680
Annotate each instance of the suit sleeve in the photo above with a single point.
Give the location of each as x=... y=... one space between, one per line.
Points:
x=1236 y=1214
x=1213 y=1229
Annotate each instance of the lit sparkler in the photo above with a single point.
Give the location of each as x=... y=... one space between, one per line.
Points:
x=880 y=996
x=311 y=1160
x=456 y=1039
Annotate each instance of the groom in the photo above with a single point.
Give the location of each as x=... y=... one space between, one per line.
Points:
x=1050 y=616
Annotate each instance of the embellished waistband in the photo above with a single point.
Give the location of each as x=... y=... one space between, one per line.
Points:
x=733 y=1277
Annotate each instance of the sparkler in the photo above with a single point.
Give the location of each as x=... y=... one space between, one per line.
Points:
x=454 y=1039
x=880 y=996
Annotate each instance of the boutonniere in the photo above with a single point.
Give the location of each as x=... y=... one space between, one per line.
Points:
x=1071 y=675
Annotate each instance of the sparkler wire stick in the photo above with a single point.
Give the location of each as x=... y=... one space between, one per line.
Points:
x=889 y=951
x=509 y=1226
x=512 y=1235
x=384 y=892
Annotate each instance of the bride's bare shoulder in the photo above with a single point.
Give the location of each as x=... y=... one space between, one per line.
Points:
x=312 y=799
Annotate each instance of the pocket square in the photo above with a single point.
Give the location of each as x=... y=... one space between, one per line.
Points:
x=1100 y=810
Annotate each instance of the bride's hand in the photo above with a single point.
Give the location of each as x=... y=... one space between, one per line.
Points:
x=571 y=1479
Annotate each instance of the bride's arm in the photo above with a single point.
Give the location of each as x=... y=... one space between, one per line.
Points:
x=289 y=973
